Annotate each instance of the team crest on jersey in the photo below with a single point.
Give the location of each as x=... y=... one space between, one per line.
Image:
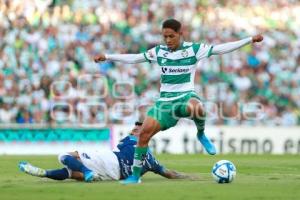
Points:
x=185 y=53
x=165 y=54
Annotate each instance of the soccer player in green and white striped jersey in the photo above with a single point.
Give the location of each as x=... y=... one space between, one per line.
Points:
x=178 y=99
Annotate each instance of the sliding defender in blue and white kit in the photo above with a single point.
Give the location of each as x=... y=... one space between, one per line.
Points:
x=102 y=165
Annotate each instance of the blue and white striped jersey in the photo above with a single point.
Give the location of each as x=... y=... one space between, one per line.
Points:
x=126 y=154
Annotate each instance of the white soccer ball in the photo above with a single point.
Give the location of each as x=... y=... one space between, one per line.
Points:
x=224 y=171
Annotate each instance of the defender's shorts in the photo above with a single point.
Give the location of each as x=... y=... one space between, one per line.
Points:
x=167 y=113
x=103 y=163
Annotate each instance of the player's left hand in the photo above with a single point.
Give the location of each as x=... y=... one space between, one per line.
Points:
x=257 y=38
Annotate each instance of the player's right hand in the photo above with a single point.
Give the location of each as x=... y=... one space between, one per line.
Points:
x=99 y=58
x=257 y=38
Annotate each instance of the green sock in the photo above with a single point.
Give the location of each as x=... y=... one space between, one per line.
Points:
x=200 y=123
x=139 y=156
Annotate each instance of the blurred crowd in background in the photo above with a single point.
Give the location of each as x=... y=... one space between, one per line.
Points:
x=47 y=73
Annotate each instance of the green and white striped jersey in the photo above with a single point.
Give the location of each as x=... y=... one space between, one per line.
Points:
x=177 y=67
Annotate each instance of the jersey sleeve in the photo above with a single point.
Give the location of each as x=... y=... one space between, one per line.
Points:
x=204 y=51
x=151 y=55
x=151 y=164
x=126 y=58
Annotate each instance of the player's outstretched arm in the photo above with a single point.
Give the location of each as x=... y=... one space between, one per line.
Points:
x=171 y=174
x=124 y=58
x=231 y=46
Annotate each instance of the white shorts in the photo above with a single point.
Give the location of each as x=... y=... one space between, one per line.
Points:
x=103 y=163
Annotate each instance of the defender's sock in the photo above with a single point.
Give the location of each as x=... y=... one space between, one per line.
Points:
x=58 y=174
x=73 y=164
x=139 y=156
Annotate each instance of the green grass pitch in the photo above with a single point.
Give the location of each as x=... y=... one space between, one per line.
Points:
x=258 y=177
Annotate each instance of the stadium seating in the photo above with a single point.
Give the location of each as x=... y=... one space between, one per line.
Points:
x=47 y=73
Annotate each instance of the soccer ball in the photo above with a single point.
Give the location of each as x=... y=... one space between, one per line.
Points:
x=223 y=171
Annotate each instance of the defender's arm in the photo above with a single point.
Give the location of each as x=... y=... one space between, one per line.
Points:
x=171 y=174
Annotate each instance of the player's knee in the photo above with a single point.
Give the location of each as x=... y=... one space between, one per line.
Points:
x=195 y=108
x=200 y=112
x=62 y=158
x=143 y=140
